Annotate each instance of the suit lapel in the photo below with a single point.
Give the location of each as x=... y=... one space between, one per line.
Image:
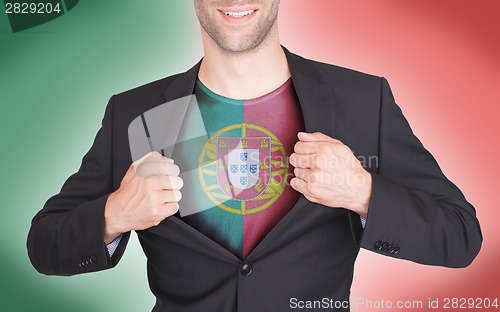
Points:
x=315 y=98
x=183 y=84
x=318 y=109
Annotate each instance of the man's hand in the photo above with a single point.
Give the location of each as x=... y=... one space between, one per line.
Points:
x=328 y=173
x=148 y=193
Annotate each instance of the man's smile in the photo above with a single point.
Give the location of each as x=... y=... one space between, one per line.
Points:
x=237 y=15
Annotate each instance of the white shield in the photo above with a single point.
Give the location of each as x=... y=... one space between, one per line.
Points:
x=243 y=167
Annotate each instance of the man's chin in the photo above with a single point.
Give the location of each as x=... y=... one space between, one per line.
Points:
x=239 y=45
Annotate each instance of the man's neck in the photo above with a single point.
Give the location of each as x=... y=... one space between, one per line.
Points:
x=244 y=76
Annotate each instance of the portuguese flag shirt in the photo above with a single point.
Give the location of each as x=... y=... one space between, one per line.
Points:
x=236 y=177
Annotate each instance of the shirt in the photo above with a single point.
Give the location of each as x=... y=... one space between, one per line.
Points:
x=241 y=186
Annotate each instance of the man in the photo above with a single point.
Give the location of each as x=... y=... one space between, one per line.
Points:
x=263 y=243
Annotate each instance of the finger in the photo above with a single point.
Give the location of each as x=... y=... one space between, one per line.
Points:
x=135 y=164
x=165 y=183
x=170 y=208
x=302 y=147
x=314 y=147
x=311 y=176
x=299 y=185
x=301 y=173
x=157 y=169
x=143 y=158
x=301 y=161
x=302 y=187
x=316 y=137
x=171 y=183
x=170 y=196
x=171 y=169
x=132 y=169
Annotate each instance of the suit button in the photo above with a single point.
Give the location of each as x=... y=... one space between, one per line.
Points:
x=87 y=262
x=384 y=246
x=396 y=249
x=82 y=263
x=246 y=269
x=93 y=260
x=390 y=249
x=378 y=245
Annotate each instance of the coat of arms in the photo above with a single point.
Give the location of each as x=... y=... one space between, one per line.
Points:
x=242 y=166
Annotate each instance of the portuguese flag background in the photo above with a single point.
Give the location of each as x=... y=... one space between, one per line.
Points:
x=237 y=225
x=440 y=57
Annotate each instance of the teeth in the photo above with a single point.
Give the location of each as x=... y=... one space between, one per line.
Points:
x=239 y=14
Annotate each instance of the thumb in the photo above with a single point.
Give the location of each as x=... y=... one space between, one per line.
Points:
x=316 y=137
x=151 y=157
x=143 y=158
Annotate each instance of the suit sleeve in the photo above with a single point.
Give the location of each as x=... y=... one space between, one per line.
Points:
x=415 y=212
x=67 y=236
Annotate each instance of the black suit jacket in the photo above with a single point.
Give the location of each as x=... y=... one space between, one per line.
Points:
x=415 y=212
